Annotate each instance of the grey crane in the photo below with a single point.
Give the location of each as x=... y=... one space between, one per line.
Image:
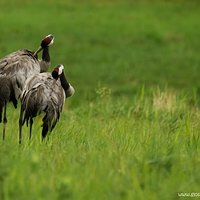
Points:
x=46 y=93
x=15 y=68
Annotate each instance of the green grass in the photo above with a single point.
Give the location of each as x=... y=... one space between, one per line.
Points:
x=131 y=131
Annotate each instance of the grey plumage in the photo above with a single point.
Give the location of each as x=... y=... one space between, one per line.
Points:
x=43 y=93
x=18 y=66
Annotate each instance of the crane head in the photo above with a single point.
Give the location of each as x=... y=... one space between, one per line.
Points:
x=47 y=41
x=58 y=70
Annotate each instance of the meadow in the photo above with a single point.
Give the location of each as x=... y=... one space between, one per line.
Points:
x=131 y=131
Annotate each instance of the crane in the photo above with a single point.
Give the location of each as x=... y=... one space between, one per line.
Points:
x=45 y=92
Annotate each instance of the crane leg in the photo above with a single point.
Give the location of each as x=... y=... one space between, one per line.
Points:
x=44 y=130
x=31 y=123
x=20 y=125
x=4 y=121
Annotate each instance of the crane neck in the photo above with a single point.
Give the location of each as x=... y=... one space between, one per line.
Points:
x=45 y=62
x=64 y=82
x=69 y=90
x=45 y=54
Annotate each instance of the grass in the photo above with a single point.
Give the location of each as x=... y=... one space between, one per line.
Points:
x=132 y=129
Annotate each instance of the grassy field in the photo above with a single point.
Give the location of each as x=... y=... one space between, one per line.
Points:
x=132 y=129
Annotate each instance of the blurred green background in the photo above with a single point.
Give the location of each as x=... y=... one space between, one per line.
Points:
x=131 y=131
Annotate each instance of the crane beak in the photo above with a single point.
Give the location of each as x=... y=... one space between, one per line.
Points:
x=38 y=50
